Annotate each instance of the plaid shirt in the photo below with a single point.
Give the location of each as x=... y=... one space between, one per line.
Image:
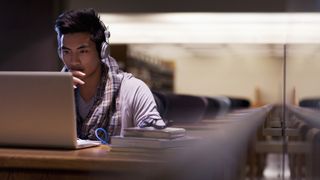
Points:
x=105 y=112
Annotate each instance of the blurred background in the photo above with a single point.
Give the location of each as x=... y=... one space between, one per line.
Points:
x=260 y=51
x=187 y=47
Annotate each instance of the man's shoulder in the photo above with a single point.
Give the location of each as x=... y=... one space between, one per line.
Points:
x=133 y=87
x=129 y=81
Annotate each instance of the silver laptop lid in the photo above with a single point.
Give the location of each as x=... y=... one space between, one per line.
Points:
x=37 y=109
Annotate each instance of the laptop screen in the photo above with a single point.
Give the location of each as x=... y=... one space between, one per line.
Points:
x=37 y=109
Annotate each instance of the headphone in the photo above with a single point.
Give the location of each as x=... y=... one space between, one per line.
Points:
x=105 y=50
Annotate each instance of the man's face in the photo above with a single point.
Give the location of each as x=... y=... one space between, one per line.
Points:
x=79 y=53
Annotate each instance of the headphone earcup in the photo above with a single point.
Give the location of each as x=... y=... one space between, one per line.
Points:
x=60 y=53
x=104 y=50
x=105 y=45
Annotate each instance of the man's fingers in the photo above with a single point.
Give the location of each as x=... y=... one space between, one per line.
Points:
x=78 y=74
x=159 y=124
x=77 y=81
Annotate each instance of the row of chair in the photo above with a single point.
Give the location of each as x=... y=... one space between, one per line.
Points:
x=305 y=165
x=310 y=103
x=221 y=146
x=175 y=108
x=300 y=139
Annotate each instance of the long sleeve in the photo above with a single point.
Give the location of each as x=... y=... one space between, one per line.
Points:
x=136 y=102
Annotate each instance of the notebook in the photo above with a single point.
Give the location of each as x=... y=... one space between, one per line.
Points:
x=153 y=143
x=151 y=132
x=37 y=109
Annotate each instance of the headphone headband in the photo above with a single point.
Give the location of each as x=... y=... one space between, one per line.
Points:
x=105 y=45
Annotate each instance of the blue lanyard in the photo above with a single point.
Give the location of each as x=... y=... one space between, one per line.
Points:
x=104 y=138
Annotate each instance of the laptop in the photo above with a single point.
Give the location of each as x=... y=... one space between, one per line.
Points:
x=37 y=109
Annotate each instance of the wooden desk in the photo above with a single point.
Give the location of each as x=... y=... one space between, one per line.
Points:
x=90 y=163
x=222 y=153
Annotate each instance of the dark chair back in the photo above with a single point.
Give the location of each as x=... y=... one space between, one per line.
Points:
x=161 y=102
x=310 y=103
x=213 y=108
x=239 y=103
x=185 y=108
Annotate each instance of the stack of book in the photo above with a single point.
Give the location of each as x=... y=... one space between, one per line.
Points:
x=149 y=138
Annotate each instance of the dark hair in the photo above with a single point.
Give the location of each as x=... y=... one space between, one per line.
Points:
x=84 y=20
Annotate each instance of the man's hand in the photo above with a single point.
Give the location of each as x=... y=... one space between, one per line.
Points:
x=77 y=76
x=156 y=123
x=159 y=124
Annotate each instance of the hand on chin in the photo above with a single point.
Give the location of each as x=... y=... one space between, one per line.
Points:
x=78 y=77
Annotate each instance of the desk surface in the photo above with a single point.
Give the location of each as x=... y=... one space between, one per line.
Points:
x=204 y=160
x=89 y=159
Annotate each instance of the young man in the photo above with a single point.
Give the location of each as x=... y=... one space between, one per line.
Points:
x=105 y=96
